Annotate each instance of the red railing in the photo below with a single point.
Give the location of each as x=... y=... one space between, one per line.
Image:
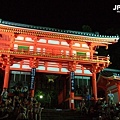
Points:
x=50 y=55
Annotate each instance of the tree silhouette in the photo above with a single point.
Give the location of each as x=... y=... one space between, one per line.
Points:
x=112 y=31
x=86 y=28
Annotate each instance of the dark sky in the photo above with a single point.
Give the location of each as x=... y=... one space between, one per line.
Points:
x=70 y=14
x=67 y=14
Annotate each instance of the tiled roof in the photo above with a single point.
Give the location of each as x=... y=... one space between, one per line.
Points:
x=55 y=30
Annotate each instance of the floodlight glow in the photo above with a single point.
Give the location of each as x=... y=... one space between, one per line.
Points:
x=41 y=96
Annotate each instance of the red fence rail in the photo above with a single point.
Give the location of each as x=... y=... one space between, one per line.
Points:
x=50 y=55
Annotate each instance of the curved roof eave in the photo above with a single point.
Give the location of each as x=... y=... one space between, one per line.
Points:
x=47 y=29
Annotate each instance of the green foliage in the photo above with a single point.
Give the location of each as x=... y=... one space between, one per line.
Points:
x=86 y=28
x=112 y=31
x=47 y=95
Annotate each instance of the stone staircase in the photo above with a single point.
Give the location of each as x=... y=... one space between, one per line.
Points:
x=59 y=114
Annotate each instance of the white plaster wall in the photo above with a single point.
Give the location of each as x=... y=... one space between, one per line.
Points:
x=64 y=43
x=15 y=66
x=19 y=38
x=53 y=42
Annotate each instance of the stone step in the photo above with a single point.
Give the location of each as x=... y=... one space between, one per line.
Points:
x=58 y=114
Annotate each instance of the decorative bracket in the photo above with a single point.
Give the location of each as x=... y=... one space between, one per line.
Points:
x=72 y=66
x=7 y=60
x=34 y=62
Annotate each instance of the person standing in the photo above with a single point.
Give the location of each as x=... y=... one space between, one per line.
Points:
x=4 y=95
x=110 y=98
x=39 y=111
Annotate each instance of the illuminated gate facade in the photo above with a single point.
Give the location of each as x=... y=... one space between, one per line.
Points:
x=47 y=50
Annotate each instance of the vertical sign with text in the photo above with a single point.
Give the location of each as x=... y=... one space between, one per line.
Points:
x=33 y=72
x=72 y=79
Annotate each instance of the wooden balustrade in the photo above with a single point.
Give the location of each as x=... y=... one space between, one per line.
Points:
x=50 y=55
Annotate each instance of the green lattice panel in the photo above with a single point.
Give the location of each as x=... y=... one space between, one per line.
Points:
x=25 y=48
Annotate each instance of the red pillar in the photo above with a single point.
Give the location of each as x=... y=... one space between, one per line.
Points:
x=32 y=93
x=64 y=89
x=71 y=100
x=72 y=106
x=118 y=85
x=12 y=39
x=70 y=46
x=91 y=51
x=32 y=86
x=94 y=85
x=35 y=44
x=6 y=76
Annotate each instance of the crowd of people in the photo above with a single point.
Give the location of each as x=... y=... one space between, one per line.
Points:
x=23 y=107
x=18 y=107
x=101 y=109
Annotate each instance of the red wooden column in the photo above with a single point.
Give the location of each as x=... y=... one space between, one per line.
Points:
x=33 y=64
x=118 y=85
x=35 y=43
x=91 y=50
x=72 y=69
x=32 y=93
x=32 y=84
x=6 y=76
x=12 y=40
x=72 y=88
x=6 y=63
x=71 y=100
x=64 y=89
x=94 y=85
x=72 y=106
x=71 y=47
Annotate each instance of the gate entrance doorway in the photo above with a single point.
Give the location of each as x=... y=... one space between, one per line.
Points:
x=47 y=86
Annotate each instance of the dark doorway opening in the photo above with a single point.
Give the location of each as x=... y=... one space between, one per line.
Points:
x=101 y=93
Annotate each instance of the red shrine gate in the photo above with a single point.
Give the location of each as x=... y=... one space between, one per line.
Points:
x=109 y=80
x=26 y=47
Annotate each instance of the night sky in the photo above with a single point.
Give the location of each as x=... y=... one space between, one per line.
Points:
x=67 y=14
